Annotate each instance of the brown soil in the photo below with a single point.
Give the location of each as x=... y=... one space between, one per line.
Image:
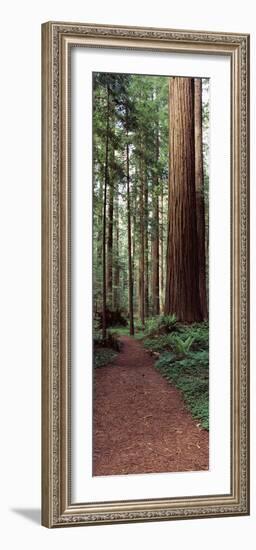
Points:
x=140 y=423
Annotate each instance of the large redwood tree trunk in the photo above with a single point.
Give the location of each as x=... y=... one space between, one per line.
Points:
x=182 y=272
x=199 y=184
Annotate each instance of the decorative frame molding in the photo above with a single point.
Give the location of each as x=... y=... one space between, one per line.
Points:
x=57 y=41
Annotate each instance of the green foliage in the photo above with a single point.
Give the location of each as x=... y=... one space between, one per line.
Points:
x=195 y=359
x=182 y=339
x=180 y=346
x=145 y=100
x=184 y=361
x=158 y=343
x=190 y=374
x=119 y=331
x=139 y=327
x=102 y=356
x=199 y=332
x=162 y=324
x=104 y=349
x=125 y=331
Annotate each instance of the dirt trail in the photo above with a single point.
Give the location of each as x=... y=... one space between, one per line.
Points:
x=140 y=421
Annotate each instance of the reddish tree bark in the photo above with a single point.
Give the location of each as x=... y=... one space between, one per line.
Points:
x=109 y=274
x=182 y=273
x=155 y=240
x=199 y=184
x=142 y=249
x=116 y=278
x=130 y=274
x=161 y=236
x=146 y=246
x=106 y=183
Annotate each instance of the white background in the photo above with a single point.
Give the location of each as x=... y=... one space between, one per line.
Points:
x=20 y=275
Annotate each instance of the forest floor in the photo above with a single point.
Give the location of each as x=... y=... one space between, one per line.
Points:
x=141 y=424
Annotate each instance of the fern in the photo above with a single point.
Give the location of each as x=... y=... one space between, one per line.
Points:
x=190 y=374
x=182 y=347
x=163 y=324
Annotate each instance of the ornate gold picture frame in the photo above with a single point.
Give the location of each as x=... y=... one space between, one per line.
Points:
x=58 y=40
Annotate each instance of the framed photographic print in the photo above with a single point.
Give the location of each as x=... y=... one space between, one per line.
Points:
x=145 y=274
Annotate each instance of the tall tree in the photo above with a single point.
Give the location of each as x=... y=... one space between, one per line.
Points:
x=130 y=187
x=109 y=274
x=146 y=247
x=199 y=184
x=182 y=270
x=155 y=231
x=134 y=237
x=131 y=321
x=116 y=278
x=142 y=247
x=161 y=237
x=106 y=182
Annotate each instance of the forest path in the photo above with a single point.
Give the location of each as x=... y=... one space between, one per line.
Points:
x=141 y=424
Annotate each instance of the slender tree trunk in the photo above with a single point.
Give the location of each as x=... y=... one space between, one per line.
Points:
x=142 y=248
x=146 y=283
x=98 y=226
x=134 y=262
x=199 y=183
x=116 y=305
x=155 y=239
x=162 y=252
x=134 y=204
x=106 y=182
x=109 y=275
x=129 y=232
x=155 y=260
x=182 y=273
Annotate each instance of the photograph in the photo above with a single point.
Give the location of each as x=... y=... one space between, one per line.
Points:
x=151 y=245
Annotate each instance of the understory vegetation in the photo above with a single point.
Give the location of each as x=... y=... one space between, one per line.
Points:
x=103 y=356
x=183 y=360
x=105 y=349
x=181 y=352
